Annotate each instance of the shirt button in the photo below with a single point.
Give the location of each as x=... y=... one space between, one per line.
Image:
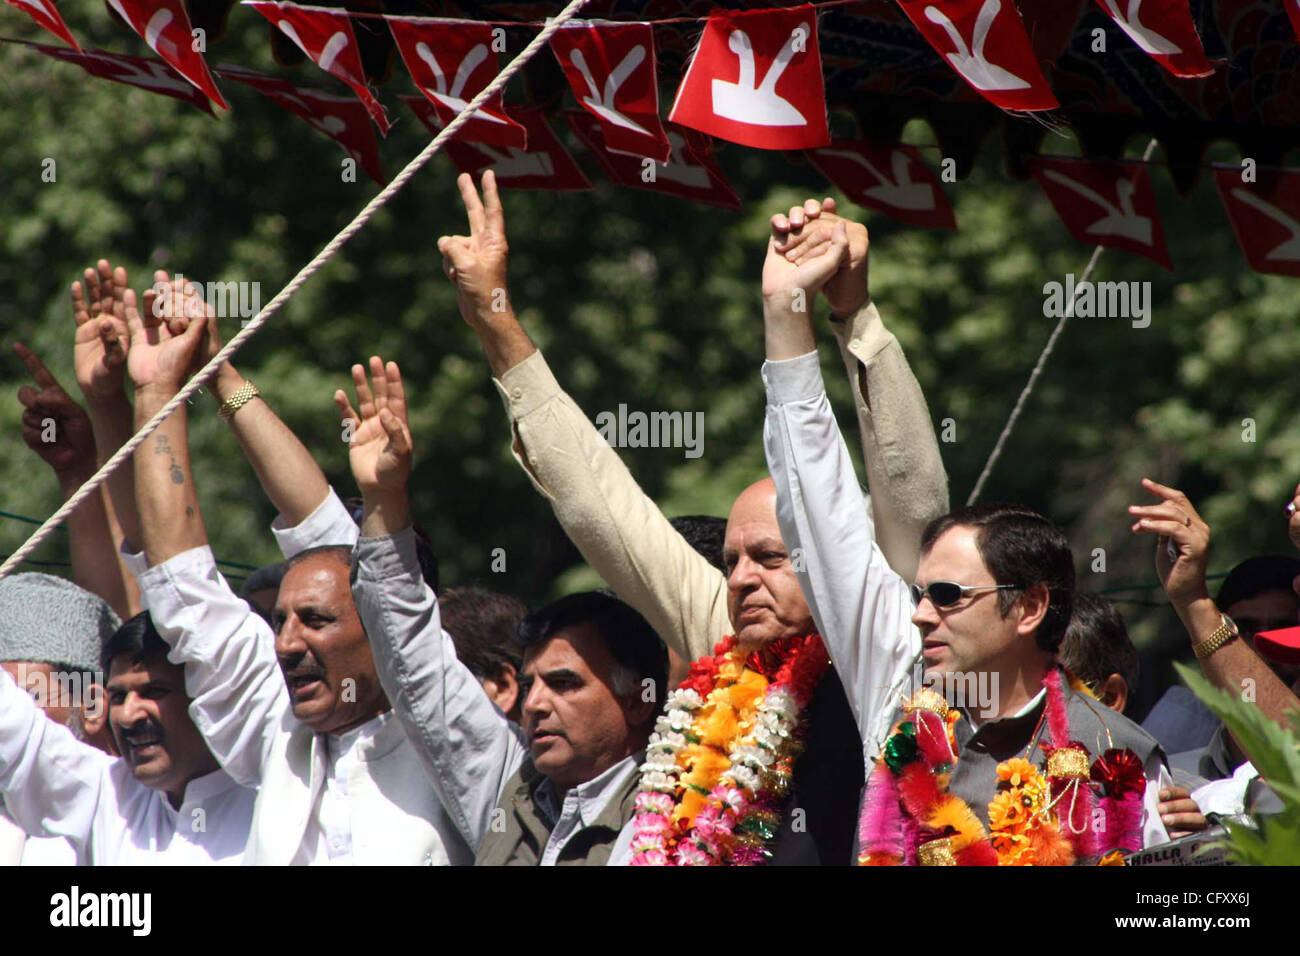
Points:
x=855 y=343
x=516 y=394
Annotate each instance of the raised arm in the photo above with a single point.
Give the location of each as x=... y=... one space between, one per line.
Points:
x=1182 y=549
x=52 y=783
x=231 y=672
x=99 y=356
x=467 y=746
x=59 y=431
x=905 y=473
x=617 y=528
x=861 y=607
x=285 y=468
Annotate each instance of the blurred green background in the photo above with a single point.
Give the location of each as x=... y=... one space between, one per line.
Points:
x=639 y=299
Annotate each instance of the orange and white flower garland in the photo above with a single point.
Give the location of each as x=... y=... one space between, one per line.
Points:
x=722 y=756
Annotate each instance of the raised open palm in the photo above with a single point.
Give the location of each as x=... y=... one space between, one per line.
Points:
x=380 y=451
x=103 y=336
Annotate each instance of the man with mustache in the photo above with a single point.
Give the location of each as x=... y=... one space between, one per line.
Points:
x=756 y=603
x=163 y=802
x=299 y=714
x=589 y=682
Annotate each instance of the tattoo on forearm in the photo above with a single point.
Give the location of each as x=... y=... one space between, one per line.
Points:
x=164 y=447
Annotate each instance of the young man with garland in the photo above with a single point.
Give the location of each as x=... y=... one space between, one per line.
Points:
x=1039 y=773
x=757 y=758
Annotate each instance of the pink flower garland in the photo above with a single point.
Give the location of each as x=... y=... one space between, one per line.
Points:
x=713 y=838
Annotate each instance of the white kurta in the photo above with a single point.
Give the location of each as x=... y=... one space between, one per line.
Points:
x=55 y=785
x=360 y=797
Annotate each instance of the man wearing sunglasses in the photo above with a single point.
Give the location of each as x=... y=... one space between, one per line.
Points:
x=993 y=589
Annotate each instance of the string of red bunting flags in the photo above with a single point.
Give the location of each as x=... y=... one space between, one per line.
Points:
x=755 y=79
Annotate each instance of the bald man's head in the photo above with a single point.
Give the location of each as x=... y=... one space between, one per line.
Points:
x=764 y=599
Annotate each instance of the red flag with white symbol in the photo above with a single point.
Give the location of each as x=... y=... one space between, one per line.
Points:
x=611 y=68
x=690 y=172
x=891 y=179
x=146 y=73
x=756 y=79
x=985 y=41
x=451 y=61
x=165 y=26
x=1163 y=29
x=341 y=118
x=1104 y=203
x=1265 y=216
x=545 y=164
x=326 y=37
x=47 y=16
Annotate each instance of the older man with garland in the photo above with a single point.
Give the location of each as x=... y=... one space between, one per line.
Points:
x=758 y=758
x=1009 y=781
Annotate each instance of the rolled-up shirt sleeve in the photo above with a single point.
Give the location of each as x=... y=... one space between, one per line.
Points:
x=52 y=784
x=862 y=608
x=467 y=746
x=329 y=524
x=237 y=691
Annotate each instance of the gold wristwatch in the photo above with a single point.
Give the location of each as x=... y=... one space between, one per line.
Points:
x=1222 y=635
x=237 y=400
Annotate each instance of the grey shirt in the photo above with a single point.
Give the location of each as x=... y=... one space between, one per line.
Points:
x=468 y=748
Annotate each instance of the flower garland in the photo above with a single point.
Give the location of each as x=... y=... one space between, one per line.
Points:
x=1036 y=818
x=722 y=755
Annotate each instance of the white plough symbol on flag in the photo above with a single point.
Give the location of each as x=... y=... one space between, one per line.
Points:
x=678 y=170
x=970 y=62
x=1146 y=38
x=452 y=98
x=759 y=105
x=1118 y=221
x=899 y=192
x=604 y=105
x=517 y=162
x=1288 y=251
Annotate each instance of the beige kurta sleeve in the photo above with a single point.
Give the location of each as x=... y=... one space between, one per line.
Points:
x=617 y=528
x=905 y=474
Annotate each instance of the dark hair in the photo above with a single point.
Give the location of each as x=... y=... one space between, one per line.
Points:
x=1097 y=644
x=423 y=546
x=136 y=637
x=1264 y=572
x=265 y=578
x=704 y=533
x=484 y=626
x=632 y=642
x=1022 y=548
x=340 y=552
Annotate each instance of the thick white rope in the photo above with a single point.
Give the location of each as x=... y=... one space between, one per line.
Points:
x=351 y=229
x=1038 y=367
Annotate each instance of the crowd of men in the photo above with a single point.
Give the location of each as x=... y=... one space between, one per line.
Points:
x=340 y=708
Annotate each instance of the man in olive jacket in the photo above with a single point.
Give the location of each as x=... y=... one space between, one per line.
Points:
x=560 y=791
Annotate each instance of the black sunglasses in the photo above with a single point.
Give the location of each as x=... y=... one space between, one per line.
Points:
x=947 y=593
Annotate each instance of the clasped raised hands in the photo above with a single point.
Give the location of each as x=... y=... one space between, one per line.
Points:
x=809 y=232
x=164 y=353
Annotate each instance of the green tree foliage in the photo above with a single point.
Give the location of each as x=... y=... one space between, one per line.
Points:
x=637 y=299
x=1275 y=752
